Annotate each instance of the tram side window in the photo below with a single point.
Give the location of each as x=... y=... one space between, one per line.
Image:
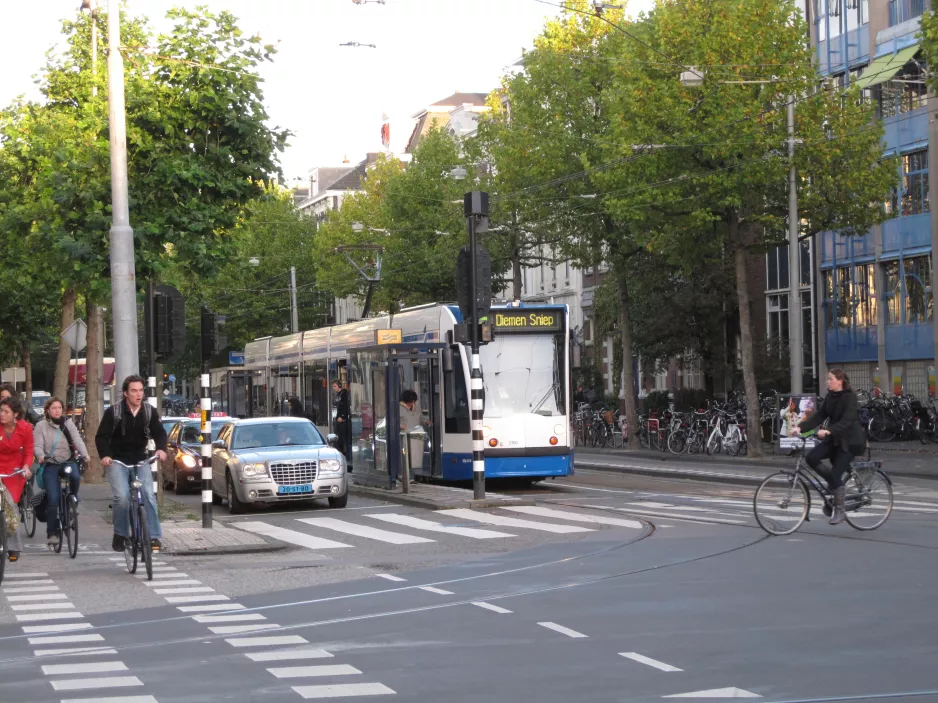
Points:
x=316 y=393
x=457 y=400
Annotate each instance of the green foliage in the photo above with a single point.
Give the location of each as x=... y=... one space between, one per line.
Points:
x=657 y=401
x=687 y=399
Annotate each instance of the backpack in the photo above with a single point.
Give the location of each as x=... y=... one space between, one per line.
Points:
x=118 y=411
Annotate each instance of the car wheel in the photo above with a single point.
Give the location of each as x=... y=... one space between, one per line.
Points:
x=339 y=502
x=235 y=506
x=178 y=488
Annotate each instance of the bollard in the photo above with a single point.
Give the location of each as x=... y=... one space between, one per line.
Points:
x=206 y=452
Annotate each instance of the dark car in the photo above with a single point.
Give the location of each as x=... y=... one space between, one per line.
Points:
x=182 y=470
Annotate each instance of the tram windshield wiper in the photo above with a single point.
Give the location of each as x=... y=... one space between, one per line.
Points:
x=553 y=387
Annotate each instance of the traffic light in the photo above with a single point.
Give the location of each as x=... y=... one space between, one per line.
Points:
x=208 y=334
x=483 y=284
x=167 y=315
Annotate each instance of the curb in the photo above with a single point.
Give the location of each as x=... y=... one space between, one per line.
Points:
x=225 y=551
x=429 y=503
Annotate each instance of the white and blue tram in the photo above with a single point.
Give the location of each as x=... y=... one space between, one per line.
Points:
x=526 y=370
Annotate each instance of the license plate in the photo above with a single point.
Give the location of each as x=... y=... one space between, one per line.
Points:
x=304 y=488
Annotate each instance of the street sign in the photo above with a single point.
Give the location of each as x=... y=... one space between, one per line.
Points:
x=388 y=336
x=172 y=378
x=166 y=391
x=76 y=335
x=235 y=358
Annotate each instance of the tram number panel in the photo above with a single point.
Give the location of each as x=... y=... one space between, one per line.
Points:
x=528 y=321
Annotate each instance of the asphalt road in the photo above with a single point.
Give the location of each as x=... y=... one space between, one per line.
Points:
x=615 y=587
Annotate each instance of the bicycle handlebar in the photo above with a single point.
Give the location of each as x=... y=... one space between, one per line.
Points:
x=152 y=460
x=20 y=472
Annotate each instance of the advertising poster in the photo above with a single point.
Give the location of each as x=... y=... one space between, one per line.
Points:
x=793 y=410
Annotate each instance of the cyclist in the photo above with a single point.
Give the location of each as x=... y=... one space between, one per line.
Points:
x=57 y=444
x=16 y=452
x=843 y=438
x=122 y=442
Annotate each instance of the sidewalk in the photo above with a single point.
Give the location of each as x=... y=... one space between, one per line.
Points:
x=433 y=496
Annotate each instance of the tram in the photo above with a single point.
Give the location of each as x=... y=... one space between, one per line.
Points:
x=526 y=372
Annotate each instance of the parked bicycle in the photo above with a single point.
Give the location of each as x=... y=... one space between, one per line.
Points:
x=782 y=502
x=138 y=544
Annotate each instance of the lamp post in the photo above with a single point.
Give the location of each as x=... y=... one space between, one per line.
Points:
x=123 y=274
x=694 y=78
x=92 y=6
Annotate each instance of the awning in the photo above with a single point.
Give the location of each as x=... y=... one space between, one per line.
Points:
x=885 y=67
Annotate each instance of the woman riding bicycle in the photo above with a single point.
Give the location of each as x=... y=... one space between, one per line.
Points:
x=58 y=445
x=16 y=453
x=843 y=438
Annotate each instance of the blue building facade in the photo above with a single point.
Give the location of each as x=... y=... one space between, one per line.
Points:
x=873 y=293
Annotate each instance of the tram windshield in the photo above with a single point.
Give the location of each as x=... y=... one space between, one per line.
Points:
x=523 y=375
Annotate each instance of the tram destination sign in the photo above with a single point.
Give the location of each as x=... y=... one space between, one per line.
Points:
x=528 y=320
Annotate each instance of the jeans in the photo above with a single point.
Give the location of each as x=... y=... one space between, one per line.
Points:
x=50 y=481
x=840 y=461
x=117 y=475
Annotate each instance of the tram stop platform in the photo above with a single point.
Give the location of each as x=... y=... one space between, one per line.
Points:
x=433 y=497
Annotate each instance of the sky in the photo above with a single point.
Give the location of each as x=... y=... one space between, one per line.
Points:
x=331 y=98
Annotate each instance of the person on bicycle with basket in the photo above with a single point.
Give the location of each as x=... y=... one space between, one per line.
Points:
x=842 y=439
x=58 y=445
x=16 y=454
x=123 y=439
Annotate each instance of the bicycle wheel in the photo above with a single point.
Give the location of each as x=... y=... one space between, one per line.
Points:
x=130 y=545
x=677 y=442
x=146 y=546
x=3 y=541
x=63 y=516
x=780 y=504
x=616 y=440
x=70 y=526
x=28 y=511
x=868 y=500
x=714 y=444
x=881 y=429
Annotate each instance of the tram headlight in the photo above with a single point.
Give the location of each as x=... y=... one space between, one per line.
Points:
x=493 y=442
x=553 y=441
x=486 y=430
x=558 y=429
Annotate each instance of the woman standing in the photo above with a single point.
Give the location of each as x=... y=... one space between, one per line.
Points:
x=57 y=444
x=16 y=452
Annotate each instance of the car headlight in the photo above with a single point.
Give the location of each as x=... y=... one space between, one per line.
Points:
x=189 y=461
x=331 y=467
x=254 y=470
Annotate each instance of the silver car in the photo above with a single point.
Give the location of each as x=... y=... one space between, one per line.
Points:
x=276 y=459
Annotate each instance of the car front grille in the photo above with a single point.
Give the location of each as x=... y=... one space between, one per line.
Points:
x=290 y=473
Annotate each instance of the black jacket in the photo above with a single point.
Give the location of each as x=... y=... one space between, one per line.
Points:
x=128 y=442
x=843 y=411
x=342 y=406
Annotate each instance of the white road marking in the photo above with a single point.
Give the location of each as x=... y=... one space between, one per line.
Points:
x=158 y=584
x=19 y=584
x=164 y=575
x=244 y=617
x=489 y=606
x=111 y=699
x=389 y=577
x=37 y=596
x=196 y=599
x=488 y=519
x=717 y=693
x=209 y=608
x=574 y=517
x=238 y=629
x=439 y=591
x=266 y=641
x=190 y=589
x=669 y=516
x=641 y=659
x=42 y=606
x=37 y=617
x=431 y=526
x=669 y=506
x=288 y=654
x=66 y=639
x=30 y=589
x=374 y=533
x=295 y=672
x=64 y=627
x=25 y=576
x=109 y=682
x=346 y=690
x=83 y=668
x=73 y=651
x=561 y=629
x=292 y=536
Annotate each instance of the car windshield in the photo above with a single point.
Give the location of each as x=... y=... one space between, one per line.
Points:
x=193 y=430
x=276 y=434
x=169 y=424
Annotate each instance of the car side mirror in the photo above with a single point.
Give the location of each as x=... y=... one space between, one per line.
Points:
x=332 y=439
x=218 y=444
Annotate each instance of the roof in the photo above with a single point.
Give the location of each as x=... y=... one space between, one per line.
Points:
x=351 y=180
x=455 y=100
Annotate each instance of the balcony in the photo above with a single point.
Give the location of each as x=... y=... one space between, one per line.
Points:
x=903 y=10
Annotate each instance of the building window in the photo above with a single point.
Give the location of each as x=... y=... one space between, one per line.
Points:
x=778 y=318
x=902 y=10
x=911 y=197
x=850 y=296
x=908 y=291
x=777 y=268
x=905 y=92
x=864 y=286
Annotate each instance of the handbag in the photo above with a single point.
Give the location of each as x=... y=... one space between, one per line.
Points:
x=11 y=512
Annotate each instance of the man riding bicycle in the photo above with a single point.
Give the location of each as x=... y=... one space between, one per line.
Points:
x=123 y=443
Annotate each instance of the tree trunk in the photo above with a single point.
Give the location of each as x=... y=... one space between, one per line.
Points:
x=60 y=385
x=515 y=244
x=94 y=390
x=745 y=341
x=628 y=369
x=28 y=372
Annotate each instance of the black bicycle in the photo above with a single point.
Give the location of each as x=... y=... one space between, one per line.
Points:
x=28 y=510
x=783 y=502
x=139 y=544
x=68 y=512
x=3 y=522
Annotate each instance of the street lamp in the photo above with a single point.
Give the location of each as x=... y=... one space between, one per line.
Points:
x=92 y=6
x=355 y=43
x=694 y=78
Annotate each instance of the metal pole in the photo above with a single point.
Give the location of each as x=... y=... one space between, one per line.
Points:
x=474 y=209
x=94 y=47
x=795 y=343
x=123 y=282
x=75 y=381
x=294 y=313
x=150 y=322
x=206 y=448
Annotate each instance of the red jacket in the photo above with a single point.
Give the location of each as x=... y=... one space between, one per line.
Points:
x=15 y=453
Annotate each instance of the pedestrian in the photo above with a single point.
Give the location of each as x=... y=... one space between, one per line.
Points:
x=57 y=445
x=16 y=452
x=842 y=439
x=296 y=407
x=8 y=391
x=123 y=438
x=411 y=417
x=342 y=425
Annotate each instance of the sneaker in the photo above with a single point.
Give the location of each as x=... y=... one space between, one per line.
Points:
x=156 y=544
x=117 y=544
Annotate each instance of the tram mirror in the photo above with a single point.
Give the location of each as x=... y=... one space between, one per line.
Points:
x=447 y=360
